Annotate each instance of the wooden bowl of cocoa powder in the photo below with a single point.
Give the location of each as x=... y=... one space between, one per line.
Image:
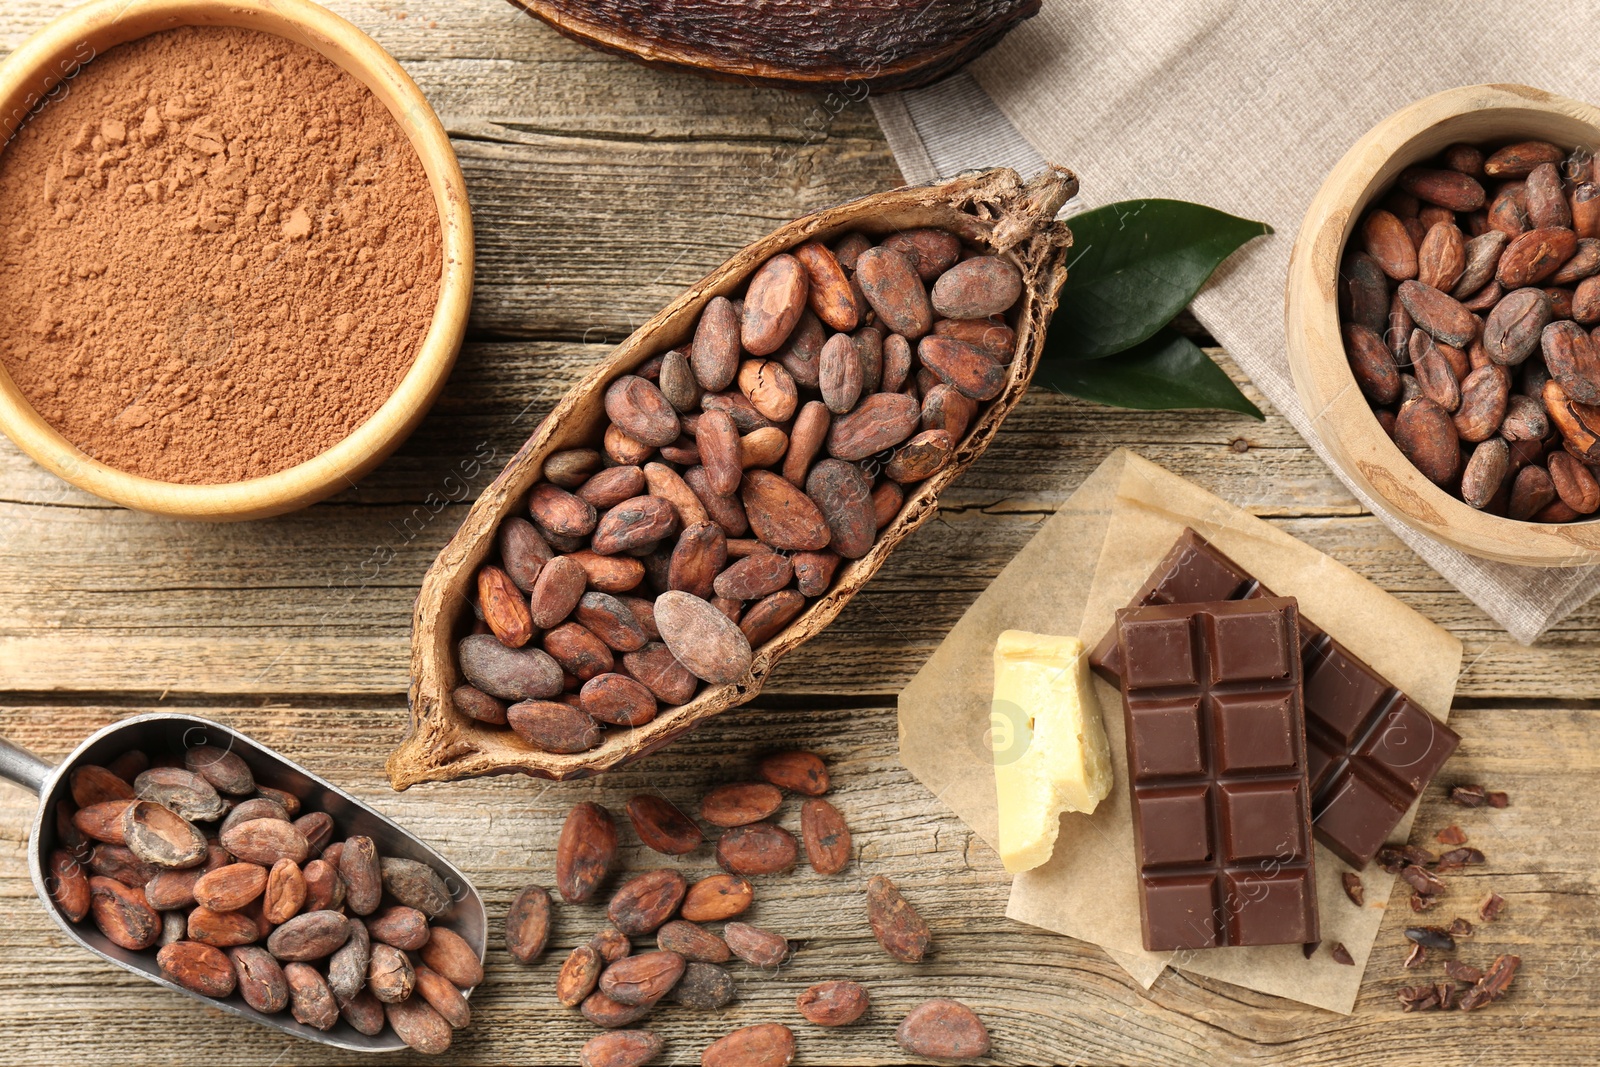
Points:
x=236 y=250
x=1479 y=115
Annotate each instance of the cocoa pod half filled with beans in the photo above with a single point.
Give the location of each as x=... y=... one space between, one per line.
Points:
x=762 y=445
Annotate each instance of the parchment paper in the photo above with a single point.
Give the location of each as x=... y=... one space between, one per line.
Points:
x=1085 y=562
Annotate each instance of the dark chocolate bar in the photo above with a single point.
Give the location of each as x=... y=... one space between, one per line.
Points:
x=1371 y=749
x=1211 y=699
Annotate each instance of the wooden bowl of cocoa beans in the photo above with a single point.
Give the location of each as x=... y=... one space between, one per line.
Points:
x=1443 y=320
x=714 y=493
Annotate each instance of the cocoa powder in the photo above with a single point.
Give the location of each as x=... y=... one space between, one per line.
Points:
x=220 y=256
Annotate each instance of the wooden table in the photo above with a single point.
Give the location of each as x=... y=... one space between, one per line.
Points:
x=599 y=189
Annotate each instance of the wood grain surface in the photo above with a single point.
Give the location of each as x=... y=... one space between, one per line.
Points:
x=600 y=188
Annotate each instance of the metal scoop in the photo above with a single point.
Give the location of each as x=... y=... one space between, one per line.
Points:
x=171 y=732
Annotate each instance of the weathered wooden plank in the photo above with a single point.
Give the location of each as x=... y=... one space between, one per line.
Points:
x=1046 y=998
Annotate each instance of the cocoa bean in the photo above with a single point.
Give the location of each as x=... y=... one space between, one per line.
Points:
x=226 y=771
x=400 y=927
x=840 y=374
x=266 y=841
x=943 y=1030
x=119 y=862
x=921 y=457
x=584 y=852
x=325 y=888
x=801 y=353
x=612 y=486
x=1572 y=360
x=761 y=1045
x=704 y=987
x=181 y=791
x=658 y=669
x=103 y=821
x=390 y=975
x=767 y=617
x=931 y=251
x=692 y=942
x=361 y=871
x=288 y=801
x=68 y=885
x=1484 y=396
x=503 y=607
x=348 y=966
x=617 y=699
x=1531 y=491
x=1547 y=200
x=1435 y=374
x=1442 y=257
x=1385 y=239
x=1000 y=340
x=757 y=947
x=362 y=1011
x=1585 y=263
x=1511 y=332
x=638 y=408
x=969 y=370
x=880 y=421
x=1372 y=364
x=198 y=968
x=1443 y=317
x=556 y=511
x=754 y=576
x=310 y=1000
x=231 y=887
x=759 y=848
x=891 y=285
x=714 y=353
x=833 y=1003
x=635 y=523
x=895 y=923
x=620 y=1048
x=1518 y=160
x=317 y=828
x=122 y=914
x=642 y=979
x=417 y=1024
x=443 y=997
x=740 y=804
x=578 y=976
x=943 y=408
x=579 y=652
x=571 y=468
x=725 y=511
x=869 y=349
x=611 y=943
x=1427 y=436
x=259 y=979
x=91 y=784
x=415 y=885
x=772 y=304
x=646 y=901
x=1364 y=292
x=1533 y=256
x=507 y=673
x=1574 y=483
x=701 y=638
x=1447 y=188
x=602 y=1011
x=738 y=406
x=678 y=383
x=285 y=892
x=476 y=704
x=310 y=936
x=222 y=929
x=1481 y=257
x=977 y=288
x=798 y=772
x=720 y=896
x=448 y=953
x=661 y=826
x=842 y=494
x=826 y=837
x=528 y=924
x=829 y=290
x=813 y=571
x=1485 y=472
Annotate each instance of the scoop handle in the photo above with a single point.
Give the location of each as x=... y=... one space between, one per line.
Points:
x=19 y=765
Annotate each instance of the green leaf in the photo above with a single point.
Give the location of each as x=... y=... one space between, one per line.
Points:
x=1134 y=265
x=1167 y=371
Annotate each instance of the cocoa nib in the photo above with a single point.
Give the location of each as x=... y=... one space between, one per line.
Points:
x=1451 y=835
x=1354 y=889
x=1462 y=972
x=1493 y=985
x=1391 y=859
x=1342 y=954
x=1420 y=903
x=1436 y=937
x=1469 y=796
x=1498 y=800
x=1489 y=907
x=1458 y=858
x=1424 y=882
x=1416 y=957
x=1419 y=998
x=1460 y=928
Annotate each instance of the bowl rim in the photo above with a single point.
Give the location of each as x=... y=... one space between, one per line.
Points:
x=29 y=75
x=1327 y=390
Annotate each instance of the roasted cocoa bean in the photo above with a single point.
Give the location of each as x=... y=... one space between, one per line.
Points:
x=642 y=979
x=347 y=967
x=700 y=637
x=448 y=953
x=1572 y=360
x=759 y=848
x=1512 y=330
x=266 y=841
x=840 y=374
x=528 y=924
x=612 y=486
x=714 y=353
x=659 y=670
x=231 y=887
x=977 y=288
x=881 y=421
x=222 y=929
x=122 y=914
x=761 y=1045
x=1364 y=292
x=767 y=617
x=310 y=936
x=103 y=821
x=826 y=837
x=638 y=408
x=772 y=304
x=226 y=771
x=417 y=1024
x=390 y=975
x=921 y=457
x=259 y=979
x=1447 y=188
x=704 y=987
x=506 y=673
x=415 y=885
x=931 y=251
x=1485 y=472
x=91 y=784
x=569 y=469
x=1385 y=239
x=757 y=947
x=399 y=926
x=362 y=874
x=798 y=772
x=602 y=1011
x=181 y=791
x=967 y=369
x=68 y=885
x=1484 y=396
x=842 y=494
x=617 y=699
x=556 y=511
x=1574 y=483
x=1531 y=491
x=578 y=976
x=504 y=607
x=1481 y=257
x=678 y=383
x=1440 y=315
x=620 y=1048
x=1534 y=256
x=443 y=997
x=891 y=285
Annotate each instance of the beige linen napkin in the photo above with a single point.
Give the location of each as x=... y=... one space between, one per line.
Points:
x=1245 y=106
x=1084 y=563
